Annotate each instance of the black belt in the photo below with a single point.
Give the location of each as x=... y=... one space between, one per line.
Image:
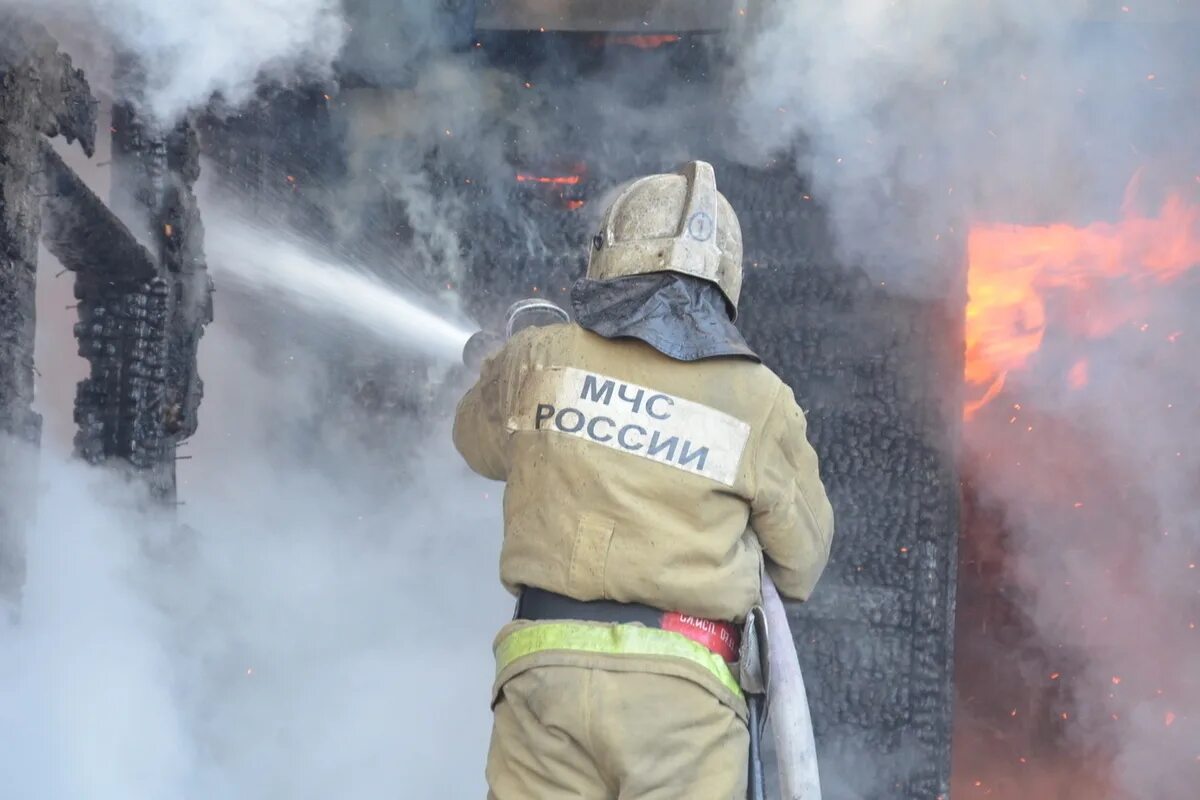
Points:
x=539 y=604
x=722 y=638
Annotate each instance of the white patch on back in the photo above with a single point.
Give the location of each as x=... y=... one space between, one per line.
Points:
x=634 y=420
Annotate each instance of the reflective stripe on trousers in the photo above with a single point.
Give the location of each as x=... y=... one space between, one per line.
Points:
x=614 y=639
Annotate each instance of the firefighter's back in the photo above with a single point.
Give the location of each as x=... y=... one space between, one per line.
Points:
x=630 y=474
x=628 y=480
x=653 y=469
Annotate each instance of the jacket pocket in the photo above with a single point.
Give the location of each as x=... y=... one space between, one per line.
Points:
x=589 y=556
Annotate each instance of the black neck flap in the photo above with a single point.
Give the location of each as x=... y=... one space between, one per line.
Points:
x=679 y=316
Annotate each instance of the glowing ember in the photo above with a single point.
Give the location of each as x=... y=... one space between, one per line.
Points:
x=1013 y=269
x=644 y=42
x=558 y=180
x=1078 y=376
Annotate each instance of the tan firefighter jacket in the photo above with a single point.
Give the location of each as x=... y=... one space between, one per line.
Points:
x=638 y=478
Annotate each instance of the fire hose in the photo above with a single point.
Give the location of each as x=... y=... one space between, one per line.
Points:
x=787 y=700
x=779 y=693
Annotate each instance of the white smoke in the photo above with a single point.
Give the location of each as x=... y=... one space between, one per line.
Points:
x=86 y=698
x=312 y=626
x=191 y=49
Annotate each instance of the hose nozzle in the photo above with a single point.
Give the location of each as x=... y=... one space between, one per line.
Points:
x=480 y=347
x=522 y=314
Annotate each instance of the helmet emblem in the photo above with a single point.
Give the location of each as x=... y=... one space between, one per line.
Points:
x=700 y=226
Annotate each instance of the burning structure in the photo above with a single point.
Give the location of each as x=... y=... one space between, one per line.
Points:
x=143 y=293
x=480 y=151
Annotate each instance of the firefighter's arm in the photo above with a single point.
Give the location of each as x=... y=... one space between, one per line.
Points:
x=790 y=512
x=479 y=433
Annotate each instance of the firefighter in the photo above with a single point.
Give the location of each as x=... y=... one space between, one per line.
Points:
x=653 y=467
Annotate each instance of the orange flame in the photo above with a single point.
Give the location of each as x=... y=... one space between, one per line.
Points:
x=1012 y=270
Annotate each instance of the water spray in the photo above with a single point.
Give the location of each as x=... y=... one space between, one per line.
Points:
x=261 y=260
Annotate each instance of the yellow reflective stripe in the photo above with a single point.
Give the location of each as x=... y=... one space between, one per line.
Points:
x=617 y=639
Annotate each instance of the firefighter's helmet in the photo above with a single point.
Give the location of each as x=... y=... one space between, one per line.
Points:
x=676 y=222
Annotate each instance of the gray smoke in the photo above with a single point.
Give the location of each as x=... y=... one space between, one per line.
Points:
x=1096 y=485
x=914 y=120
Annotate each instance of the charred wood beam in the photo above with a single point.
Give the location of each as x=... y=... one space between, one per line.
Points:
x=41 y=93
x=183 y=257
x=122 y=322
x=81 y=232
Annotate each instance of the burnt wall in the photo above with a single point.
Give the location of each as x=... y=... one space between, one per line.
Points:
x=41 y=94
x=878 y=376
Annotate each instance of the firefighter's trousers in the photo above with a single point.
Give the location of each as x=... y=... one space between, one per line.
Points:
x=586 y=733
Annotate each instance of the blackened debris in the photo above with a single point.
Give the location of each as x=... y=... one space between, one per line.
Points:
x=140 y=331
